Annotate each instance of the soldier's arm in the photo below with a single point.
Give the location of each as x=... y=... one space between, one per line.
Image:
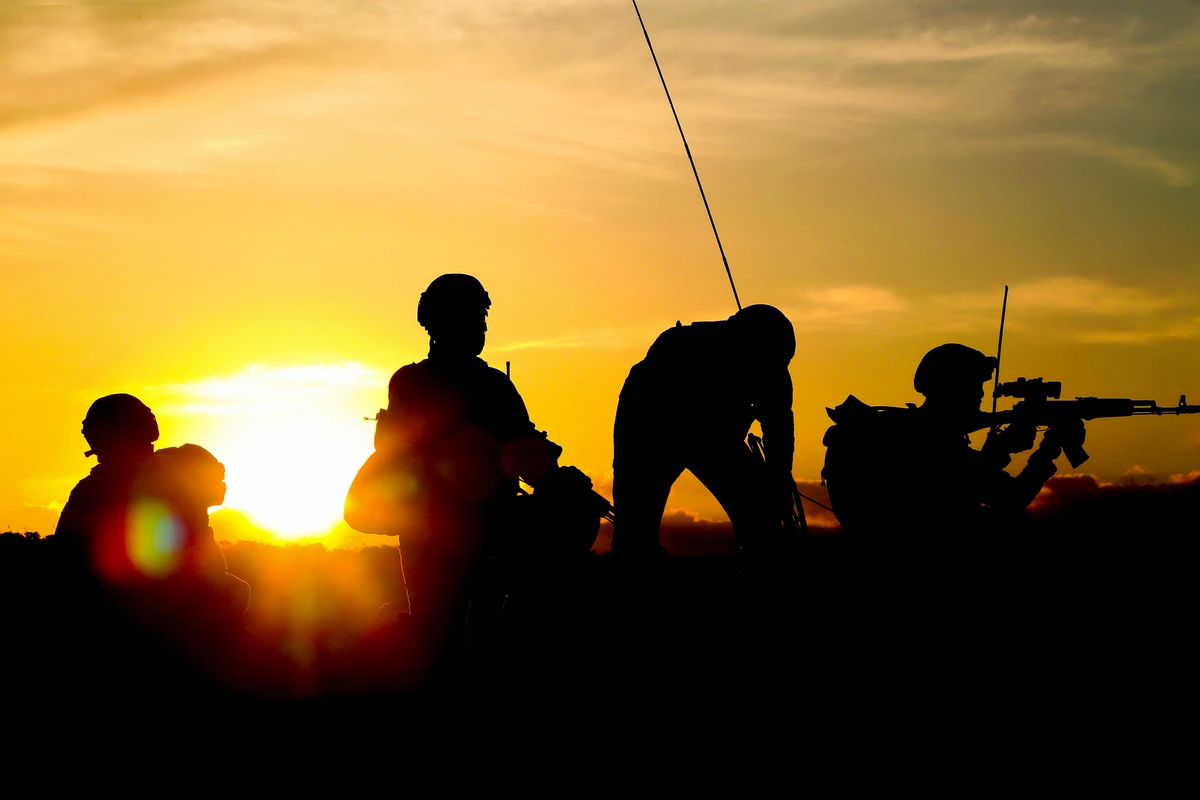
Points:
x=72 y=527
x=773 y=410
x=528 y=453
x=388 y=420
x=1004 y=491
x=517 y=420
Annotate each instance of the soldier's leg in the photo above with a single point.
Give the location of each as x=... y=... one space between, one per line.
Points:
x=641 y=485
x=645 y=466
x=740 y=482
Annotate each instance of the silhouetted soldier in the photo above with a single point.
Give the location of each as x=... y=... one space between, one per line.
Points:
x=932 y=527
x=449 y=450
x=689 y=405
x=895 y=473
x=138 y=525
x=208 y=600
x=121 y=431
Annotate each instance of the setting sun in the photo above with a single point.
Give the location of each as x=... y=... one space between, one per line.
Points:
x=291 y=439
x=292 y=487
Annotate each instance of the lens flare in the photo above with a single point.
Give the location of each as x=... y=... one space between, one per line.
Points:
x=154 y=539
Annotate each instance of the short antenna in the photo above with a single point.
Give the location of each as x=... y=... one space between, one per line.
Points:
x=999 y=349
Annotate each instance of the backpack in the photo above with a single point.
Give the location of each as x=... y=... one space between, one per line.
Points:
x=863 y=482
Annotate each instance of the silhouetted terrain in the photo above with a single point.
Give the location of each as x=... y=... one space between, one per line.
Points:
x=1078 y=624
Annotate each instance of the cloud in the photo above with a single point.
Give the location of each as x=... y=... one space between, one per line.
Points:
x=1079 y=309
x=259 y=389
x=1074 y=294
x=637 y=336
x=1133 y=156
x=485 y=76
x=1047 y=76
x=838 y=306
x=1085 y=498
x=1147 y=334
x=53 y=505
x=1064 y=307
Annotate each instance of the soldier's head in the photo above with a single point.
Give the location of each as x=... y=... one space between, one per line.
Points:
x=198 y=475
x=765 y=336
x=120 y=426
x=952 y=376
x=454 y=311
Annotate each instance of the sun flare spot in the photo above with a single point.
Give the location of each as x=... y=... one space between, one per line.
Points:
x=291 y=439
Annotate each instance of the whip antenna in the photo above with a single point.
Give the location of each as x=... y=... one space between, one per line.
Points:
x=691 y=160
x=999 y=348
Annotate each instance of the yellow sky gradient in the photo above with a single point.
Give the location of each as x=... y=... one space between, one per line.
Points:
x=230 y=209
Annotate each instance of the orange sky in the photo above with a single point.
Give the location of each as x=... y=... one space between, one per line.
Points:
x=230 y=208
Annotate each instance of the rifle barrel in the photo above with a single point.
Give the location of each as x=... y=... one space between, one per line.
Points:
x=1047 y=412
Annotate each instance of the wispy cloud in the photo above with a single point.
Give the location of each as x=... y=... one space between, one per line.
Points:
x=1073 y=294
x=258 y=389
x=838 y=306
x=1135 y=157
x=1065 y=308
x=633 y=336
x=1008 y=75
x=1094 y=311
x=1149 y=332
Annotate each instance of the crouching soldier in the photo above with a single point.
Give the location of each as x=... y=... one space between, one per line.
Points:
x=689 y=405
x=903 y=476
x=932 y=526
x=136 y=527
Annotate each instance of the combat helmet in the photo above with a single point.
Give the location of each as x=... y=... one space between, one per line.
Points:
x=451 y=297
x=766 y=333
x=950 y=366
x=195 y=472
x=121 y=420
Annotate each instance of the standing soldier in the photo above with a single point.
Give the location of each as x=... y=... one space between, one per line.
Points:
x=449 y=450
x=689 y=405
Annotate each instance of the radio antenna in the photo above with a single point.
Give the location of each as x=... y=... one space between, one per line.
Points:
x=999 y=349
x=688 y=150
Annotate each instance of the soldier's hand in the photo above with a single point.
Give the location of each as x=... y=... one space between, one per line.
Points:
x=1065 y=435
x=1015 y=438
x=564 y=480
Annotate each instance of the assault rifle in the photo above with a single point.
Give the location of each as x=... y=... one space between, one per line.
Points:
x=1039 y=406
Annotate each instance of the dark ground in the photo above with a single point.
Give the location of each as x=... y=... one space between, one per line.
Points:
x=1007 y=652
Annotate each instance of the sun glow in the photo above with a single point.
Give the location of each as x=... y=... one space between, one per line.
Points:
x=291 y=439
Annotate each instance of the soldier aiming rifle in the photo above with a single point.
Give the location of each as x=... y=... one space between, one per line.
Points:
x=1039 y=406
x=882 y=461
